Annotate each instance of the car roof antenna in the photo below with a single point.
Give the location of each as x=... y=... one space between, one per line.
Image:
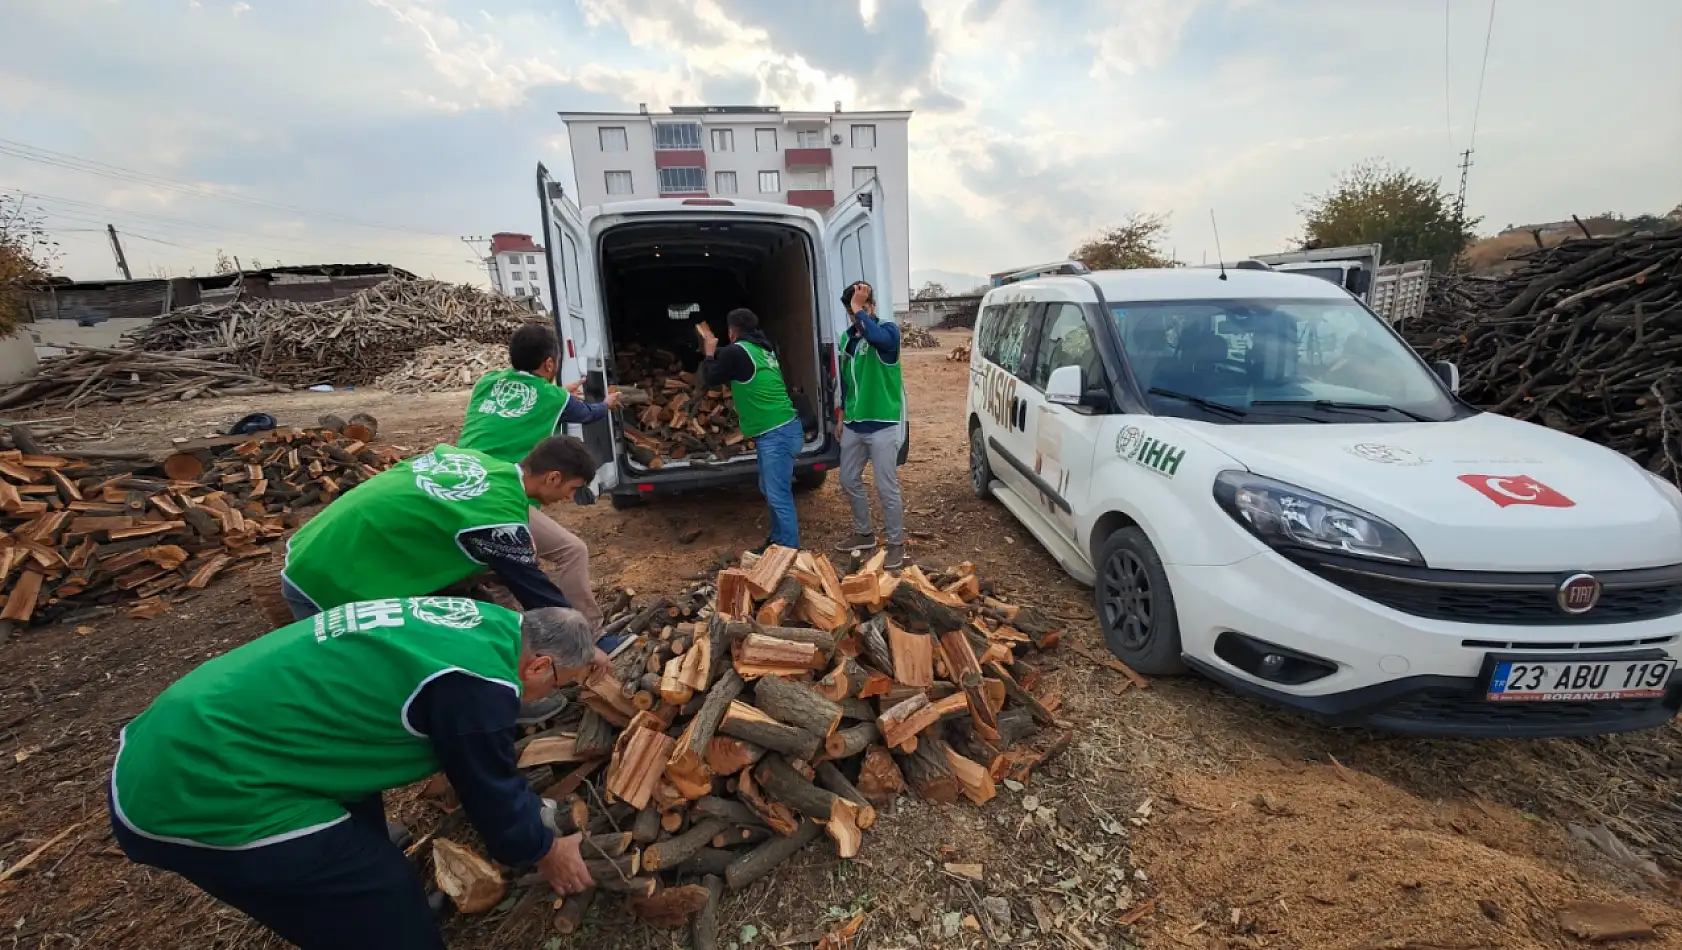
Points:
x=1220 y=258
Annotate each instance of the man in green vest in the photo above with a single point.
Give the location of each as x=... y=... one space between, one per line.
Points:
x=873 y=398
x=258 y=776
x=510 y=411
x=432 y=522
x=749 y=364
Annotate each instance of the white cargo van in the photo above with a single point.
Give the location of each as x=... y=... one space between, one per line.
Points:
x=1263 y=483
x=648 y=271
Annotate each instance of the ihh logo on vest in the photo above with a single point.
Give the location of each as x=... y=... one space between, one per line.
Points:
x=1132 y=444
x=459 y=613
x=509 y=399
x=451 y=476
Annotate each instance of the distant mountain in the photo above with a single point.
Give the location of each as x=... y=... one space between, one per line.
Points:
x=953 y=281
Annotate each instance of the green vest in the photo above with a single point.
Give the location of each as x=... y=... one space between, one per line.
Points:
x=395 y=534
x=267 y=741
x=509 y=412
x=874 y=389
x=762 y=403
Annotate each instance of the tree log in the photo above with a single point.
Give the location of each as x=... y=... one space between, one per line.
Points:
x=674 y=851
x=709 y=861
x=646 y=828
x=913 y=656
x=873 y=637
x=750 y=724
x=573 y=909
x=830 y=777
x=858 y=710
x=670 y=907
x=840 y=817
x=821 y=639
x=703 y=930
x=775 y=814
x=688 y=769
x=848 y=742
x=764 y=859
x=925 y=611
x=928 y=772
x=787 y=594
x=727 y=755
x=797 y=705
x=906 y=719
x=880 y=779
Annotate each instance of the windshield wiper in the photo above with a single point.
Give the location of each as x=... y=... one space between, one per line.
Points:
x=1332 y=404
x=1199 y=402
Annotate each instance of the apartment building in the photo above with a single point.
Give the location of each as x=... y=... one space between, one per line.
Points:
x=762 y=153
x=519 y=267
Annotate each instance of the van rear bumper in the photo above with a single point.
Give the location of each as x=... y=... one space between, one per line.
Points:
x=694 y=478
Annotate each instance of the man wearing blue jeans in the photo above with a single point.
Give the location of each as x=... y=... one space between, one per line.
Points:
x=873 y=399
x=749 y=364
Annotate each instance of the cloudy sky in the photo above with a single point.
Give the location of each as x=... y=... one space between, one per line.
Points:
x=353 y=130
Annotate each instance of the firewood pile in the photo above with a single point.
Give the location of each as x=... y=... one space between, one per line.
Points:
x=959 y=354
x=921 y=338
x=90 y=374
x=447 y=366
x=348 y=341
x=669 y=415
x=1583 y=337
x=82 y=535
x=771 y=706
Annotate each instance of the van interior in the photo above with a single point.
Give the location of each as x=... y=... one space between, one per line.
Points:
x=660 y=279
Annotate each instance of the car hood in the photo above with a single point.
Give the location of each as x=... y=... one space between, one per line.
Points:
x=1481 y=493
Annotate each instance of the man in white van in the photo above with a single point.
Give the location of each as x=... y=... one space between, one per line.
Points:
x=872 y=400
x=749 y=364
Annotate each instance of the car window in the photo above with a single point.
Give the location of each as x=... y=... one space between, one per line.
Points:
x=1008 y=332
x=1065 y=341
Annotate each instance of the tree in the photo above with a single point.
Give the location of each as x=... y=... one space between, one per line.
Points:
x=27 y=253
x=1137 y=243
x=1376 y=203
x=933 y=290
x=224 y=263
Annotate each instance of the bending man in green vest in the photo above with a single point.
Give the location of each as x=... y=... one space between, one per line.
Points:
x=872 y=398
x=767 y=415
x=510 y=411
x=258 y=776
x=432 y=522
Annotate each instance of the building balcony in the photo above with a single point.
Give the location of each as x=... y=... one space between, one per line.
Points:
x=808 y=156
x=680 y=158
x=811 y=197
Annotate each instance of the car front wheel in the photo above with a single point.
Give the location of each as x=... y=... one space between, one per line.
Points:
x=980 y=470
x=1136 y=606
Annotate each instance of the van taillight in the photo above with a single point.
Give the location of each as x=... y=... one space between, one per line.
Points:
x=571 y=355
x=710 y=202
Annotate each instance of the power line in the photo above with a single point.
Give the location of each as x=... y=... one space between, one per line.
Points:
x=1477 y=108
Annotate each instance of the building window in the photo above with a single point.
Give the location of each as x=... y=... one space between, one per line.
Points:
x=724 y=140
x=618 y=183
x=531 y=276
x=808 y=138
x=519 y=291
x=677 y=135
x=863 y=174
x=683 y=180
x=816 y=178
x=864 y=136
x=531 y=258
x=613 y=139
x=765 y=140
x=770 y=183
x=724 y=183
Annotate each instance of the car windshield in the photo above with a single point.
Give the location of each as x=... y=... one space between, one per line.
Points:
x=1276 y=360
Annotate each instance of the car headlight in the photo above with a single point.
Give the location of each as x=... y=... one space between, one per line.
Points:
x=1284 y=516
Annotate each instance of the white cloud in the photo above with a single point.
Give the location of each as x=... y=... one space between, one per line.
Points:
x=1146 y=34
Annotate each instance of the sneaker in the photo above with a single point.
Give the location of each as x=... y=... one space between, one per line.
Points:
x=856 y=544
x=615 y=644
x=895 y=559
x=537 y=711
x=399 y=834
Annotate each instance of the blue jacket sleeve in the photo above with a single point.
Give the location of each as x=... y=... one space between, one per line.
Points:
x=580 y=413
x=880 y=334
x=471 y=723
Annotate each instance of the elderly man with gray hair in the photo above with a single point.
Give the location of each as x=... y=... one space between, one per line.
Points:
x=258 y=776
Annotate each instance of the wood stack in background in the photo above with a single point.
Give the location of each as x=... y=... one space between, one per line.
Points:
x=919 y=338
x=90 y=374
x=793 y=706
x=82 y=535
x=669 y=415
x=445 y=367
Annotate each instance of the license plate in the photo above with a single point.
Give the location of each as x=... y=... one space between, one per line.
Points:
x=1578 y=680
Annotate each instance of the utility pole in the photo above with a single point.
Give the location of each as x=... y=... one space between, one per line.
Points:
x=483 y=258
x=117 y=248
x=1460 y=206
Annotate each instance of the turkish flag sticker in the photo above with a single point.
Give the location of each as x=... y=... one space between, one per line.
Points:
x=1509 y=490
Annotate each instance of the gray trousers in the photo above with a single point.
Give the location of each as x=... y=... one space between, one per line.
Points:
x=881 y=450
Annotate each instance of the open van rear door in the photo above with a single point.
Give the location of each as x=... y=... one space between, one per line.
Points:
x=856 y=248
x=574 y=288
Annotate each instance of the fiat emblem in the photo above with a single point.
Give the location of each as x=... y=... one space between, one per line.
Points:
x=1579 y=593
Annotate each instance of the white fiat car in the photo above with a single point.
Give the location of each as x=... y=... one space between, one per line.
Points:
x=1263 y=483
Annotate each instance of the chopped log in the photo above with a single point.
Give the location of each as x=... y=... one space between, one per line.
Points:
x=873 y=637
x=735 y=598
x=750 y=724
x=674 y=851
x=670 y=907
x=764 y=859
x=473 y=884
x=548 y=751
x=760 y=655
x=965 y=670
x=206 y=572
x=797 y=705
x=849 y=680
x=913 y=655
x=858 y=710
x=672 y=688
x=595 y=736
x=1015 y=724
x=976 y=781
x=822 y=639
x=672 y=822
x=848 y=742
x=768 y=571
x=186 y=466
x=703 y=930
x=646 y=828
x=1041 y=714
x=608 y=845
x=929 y=773
x=906 y=719
x=639 y=759
x=726 y=810
x=20 y=606
x=727 y=755
x=830 y=777
x=688 y=768
x=782 y=600
x=880 y=780
x=829 y=580
x=923 y=610
x=709 y=861
x=570 y=917
x=736 y=836
x=569 y=783
x=779 y=817
x=822 y=612
x=840 y=816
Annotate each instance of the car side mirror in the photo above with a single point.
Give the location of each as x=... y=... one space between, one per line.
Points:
x=1064 y=386
x=1449 y=373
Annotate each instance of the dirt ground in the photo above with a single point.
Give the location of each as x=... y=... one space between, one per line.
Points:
x=1182 y=816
